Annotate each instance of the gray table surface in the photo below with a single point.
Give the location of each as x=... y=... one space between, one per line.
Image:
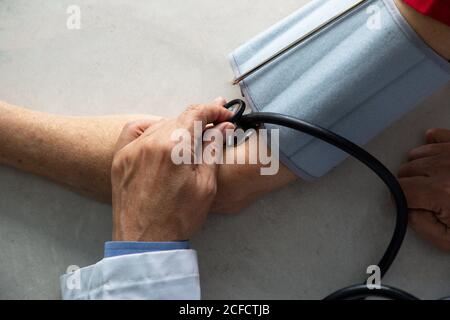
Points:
x=157 y=57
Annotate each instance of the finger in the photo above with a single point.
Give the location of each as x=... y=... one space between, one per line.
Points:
x=417 y=168
x=430 y=228
x=214 y=141
x=132 y=131
x=421 y=195
x=428 y=150
x=208 y=172
x=204 y=114
x=438 y=135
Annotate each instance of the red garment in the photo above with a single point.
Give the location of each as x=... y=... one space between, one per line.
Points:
x=436 y=9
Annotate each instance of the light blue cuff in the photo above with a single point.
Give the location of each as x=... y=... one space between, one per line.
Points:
x=114 y=249
x=356 y=77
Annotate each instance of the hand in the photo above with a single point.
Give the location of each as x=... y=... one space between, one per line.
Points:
x=153 y=198
x=241 y=184
x=426 y=182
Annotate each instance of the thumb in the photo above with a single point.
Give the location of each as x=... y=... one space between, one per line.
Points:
x=132 y=131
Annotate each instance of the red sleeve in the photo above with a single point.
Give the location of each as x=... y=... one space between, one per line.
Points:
x=436 y=9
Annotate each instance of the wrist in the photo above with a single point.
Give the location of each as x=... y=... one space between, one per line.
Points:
x=132 y=235
x=130 y=229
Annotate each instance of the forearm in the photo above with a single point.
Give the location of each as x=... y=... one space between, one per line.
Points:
x=72 y=151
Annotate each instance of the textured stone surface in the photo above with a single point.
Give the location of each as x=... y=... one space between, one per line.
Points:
x=157 y=57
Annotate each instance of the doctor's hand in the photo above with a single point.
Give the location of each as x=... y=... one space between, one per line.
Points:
x=154 y=199
x=426 y=182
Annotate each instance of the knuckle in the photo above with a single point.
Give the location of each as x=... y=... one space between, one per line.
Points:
x=130 y=126
x=116 y=166
x=193 y=109
x=196 y=111
x=119 y=162
x=191 y=114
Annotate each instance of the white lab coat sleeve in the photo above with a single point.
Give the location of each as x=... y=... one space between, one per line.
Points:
x=165 y=275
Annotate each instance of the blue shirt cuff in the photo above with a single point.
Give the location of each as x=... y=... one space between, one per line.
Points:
x=115 y=249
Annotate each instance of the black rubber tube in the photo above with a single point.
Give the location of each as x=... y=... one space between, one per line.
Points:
x=362 y=291
x=401 y=227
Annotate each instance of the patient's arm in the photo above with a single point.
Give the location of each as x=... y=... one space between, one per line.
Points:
x=433 y=32
x=77 y=152
x=69 y=150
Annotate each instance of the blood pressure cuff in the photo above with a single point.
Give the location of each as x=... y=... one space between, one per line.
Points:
x=356 y=77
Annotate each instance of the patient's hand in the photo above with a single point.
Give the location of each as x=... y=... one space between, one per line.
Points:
x=240 y=185
x=426 y=182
